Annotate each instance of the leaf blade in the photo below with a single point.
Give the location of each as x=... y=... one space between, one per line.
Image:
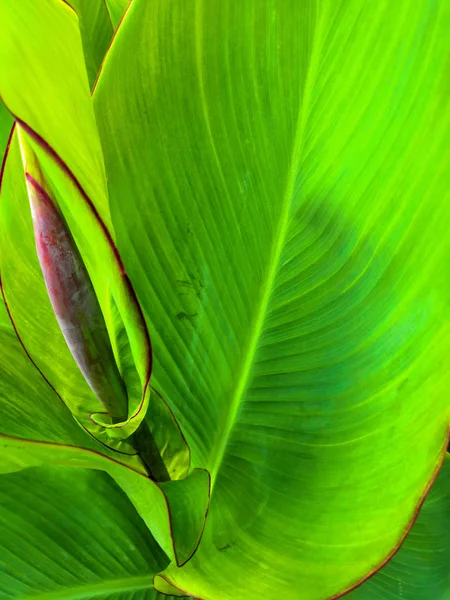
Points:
x=420 y=568
x=96 y=31
x=105 y=546
x=175 y=511
x=354 y=325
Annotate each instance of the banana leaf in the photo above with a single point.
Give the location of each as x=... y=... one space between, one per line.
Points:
x=275 y=178
x=278 y=183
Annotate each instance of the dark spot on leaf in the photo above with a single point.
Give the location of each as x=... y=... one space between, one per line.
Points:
x=185 y=283
x=183 y=315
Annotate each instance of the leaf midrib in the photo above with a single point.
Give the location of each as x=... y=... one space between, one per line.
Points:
x=88 y=591
x=278 y=246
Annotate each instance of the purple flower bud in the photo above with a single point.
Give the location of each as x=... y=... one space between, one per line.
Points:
x=75 y=303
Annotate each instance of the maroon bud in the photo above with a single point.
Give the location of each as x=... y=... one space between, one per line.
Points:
x=75 y=303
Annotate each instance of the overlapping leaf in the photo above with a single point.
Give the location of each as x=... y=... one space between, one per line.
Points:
x=174 y=511
x=75 y=536
x=88 y=220
x=420 y=570
x=278 y=178
x=29 y=408
x=46 y=85
x=116 y=9
x=96 y=29
x=278 y=175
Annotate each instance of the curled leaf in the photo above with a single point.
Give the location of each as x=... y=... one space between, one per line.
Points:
x=74 y=302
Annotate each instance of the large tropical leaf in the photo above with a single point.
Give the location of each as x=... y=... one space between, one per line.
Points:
x=76 y=536
x=278 y=179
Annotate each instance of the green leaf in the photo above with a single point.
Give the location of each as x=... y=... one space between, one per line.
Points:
x=76 y=536
x=168 y=437
x=174 y=511
x=420 y=569
x=112 y=287
x=161 y=584
x=96 y=31
x=277 y=174
x=28 y=406
x=116 y=9
x=51 y=95
x=6 y=123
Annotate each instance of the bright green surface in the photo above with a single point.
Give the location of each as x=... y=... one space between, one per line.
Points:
x=421 y=568
x=46 y=85
x=75 y=537
x=28 y=407
x=277 y=175
x=96 y=30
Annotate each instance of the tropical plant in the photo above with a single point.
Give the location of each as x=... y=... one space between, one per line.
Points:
x=261 y=189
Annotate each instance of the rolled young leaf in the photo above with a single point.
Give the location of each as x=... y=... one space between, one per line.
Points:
x=35 y=319
x=32 y=313
x=74 y=301
x=74 y=171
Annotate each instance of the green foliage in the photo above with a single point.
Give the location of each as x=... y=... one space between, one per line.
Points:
x=260 y=189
